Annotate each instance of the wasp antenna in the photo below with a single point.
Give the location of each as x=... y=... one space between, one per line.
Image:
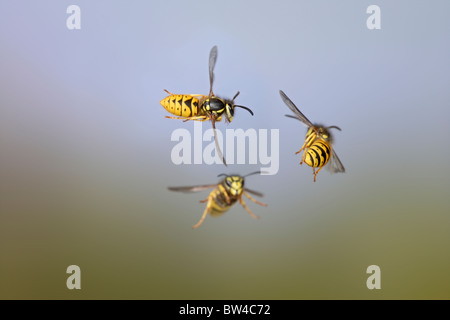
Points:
x=222 y=175
x=250 y=174
x=334 y=127
x=251 y=112
x=237 y=93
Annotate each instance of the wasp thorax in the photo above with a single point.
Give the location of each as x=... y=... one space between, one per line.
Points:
x=235 y=184
x=214 y=105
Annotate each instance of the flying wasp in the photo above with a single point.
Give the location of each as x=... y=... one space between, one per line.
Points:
x=201 y=107
x=318 y=147
x=224 y=195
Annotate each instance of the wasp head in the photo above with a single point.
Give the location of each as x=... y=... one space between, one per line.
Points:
x=234 y=185
x=229 y=108
x=324 y=133
x=229 y=111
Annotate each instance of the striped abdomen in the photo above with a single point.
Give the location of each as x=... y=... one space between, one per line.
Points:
x=318 y=154
x=181 y=105
x=219 y=204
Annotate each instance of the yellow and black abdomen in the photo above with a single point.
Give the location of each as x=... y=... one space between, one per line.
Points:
x=219 y=201
x=318 y=154
x=181 y=105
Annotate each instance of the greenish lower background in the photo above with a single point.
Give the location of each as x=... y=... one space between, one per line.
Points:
x=85 y=150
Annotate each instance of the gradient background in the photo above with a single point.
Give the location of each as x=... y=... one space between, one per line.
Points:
x=85 y=150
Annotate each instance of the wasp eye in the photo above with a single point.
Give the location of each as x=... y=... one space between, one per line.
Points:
x=228 y=182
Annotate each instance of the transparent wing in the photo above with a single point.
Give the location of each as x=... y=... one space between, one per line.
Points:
x=212 y=64
x=192 y=188
x=256 y=193
x=335 y=165
x=293 y=117
x=298 y=115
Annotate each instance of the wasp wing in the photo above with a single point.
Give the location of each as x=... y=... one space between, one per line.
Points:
x=212 y=64
x=192 y=188
x=298 y=115
x=293 y=117
x=256 y=193
x=335 y=165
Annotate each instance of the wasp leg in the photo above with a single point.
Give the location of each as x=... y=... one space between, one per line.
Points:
x=315 y=174
x=199 y=118
x=199 y=95
x=305 y=146
x=300 y=150
x=203 y=201
x=203 y=216
x=196 y=118
x=304 y=153
x=179 y=118
x=254 y=200
x=247 y=208
x=189 y=94
x=225 y=193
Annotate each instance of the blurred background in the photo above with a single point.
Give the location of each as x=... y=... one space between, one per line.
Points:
x=85 y=150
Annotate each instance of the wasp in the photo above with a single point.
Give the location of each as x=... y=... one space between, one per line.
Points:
x=203 y=107
x=224 y=195
x=318 y=146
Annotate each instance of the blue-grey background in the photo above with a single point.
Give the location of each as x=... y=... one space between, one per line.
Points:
x=85 y=150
